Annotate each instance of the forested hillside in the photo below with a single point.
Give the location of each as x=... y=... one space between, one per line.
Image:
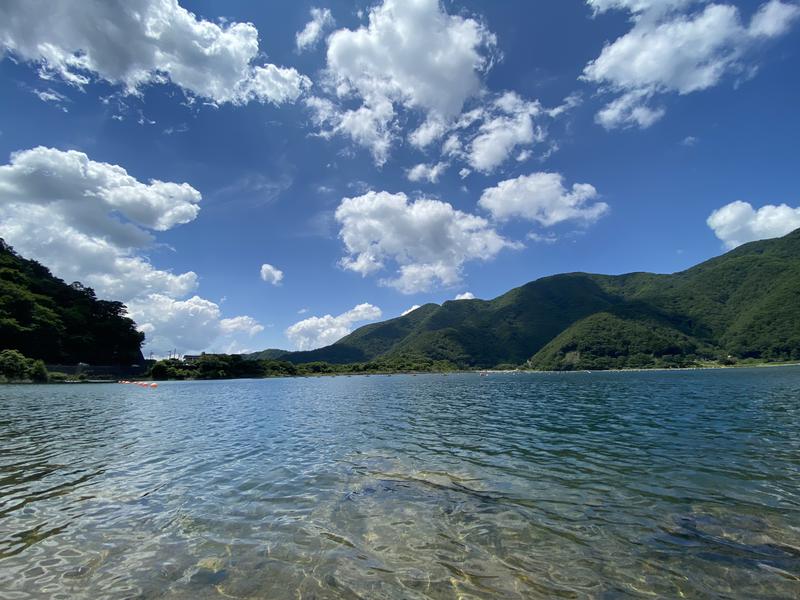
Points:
x=742 y=305
x=44 y=318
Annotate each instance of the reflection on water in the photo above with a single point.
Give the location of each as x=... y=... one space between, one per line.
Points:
x=602 y=485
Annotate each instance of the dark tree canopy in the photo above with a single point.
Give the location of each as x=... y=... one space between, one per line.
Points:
x=45 y=318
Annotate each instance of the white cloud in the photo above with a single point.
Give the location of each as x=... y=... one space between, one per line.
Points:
x=637 y=6
x=411 y=56
x=549 y=238
x=90 y=221
x=321 y=19
x=500 y=128
x=316 y=332
x=409 y=310
x=773 y=19
x=542 y=197
x=465 y=296
x=689 y=141
x=368 y=126
x=141 y=42
x=428 y=240
x=190 y=325
x=669 y=51
x=629 y=110
x=430 y=131
x=738 y=222
x=452 y=146
x=87 y=194
x=52 y=96
x=271 y=274
x=241 y=324
x=430 y=173
x=510 y=125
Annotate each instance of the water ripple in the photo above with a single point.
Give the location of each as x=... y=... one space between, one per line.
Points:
x=600 y=485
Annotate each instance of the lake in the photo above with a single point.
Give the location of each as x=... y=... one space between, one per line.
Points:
x=580 y=485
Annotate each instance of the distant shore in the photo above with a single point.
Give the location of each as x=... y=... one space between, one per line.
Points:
x=707 y=367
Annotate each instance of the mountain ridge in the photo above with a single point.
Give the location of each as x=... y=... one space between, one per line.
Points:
x=742 y=304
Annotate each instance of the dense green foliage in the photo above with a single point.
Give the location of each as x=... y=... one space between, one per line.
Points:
x=15 y=367
x=268 y=354
x=743 y=305
x=616 y=340
x=44 y=318
x=227 y=366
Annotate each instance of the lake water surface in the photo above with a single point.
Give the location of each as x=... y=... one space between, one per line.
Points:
x=601 y=485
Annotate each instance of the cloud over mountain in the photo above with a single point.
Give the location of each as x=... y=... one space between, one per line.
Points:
x=315 y=332
x=92 y=222
x=738 y=222
x=427 y=240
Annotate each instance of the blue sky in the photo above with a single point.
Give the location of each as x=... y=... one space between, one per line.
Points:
x=600 y=135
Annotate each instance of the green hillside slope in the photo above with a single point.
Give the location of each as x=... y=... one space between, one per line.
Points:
x=44 y=318
x=745 y=303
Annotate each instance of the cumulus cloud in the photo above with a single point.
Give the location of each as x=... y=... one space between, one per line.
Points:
x=542 y=197
x=316 y=332
x=510 y=125
x=411 y=56
x=409 y=310
x=773 y=19
x=321 y=20
x=91 y=221
x=87 y=194
x=630 y=109
x=669 y=50
x=465 y=296
x=191 y=325
x=427 y=133
x=738 y=222
x=503 y=126
x=271 y=274
x=243 y=324
x=429 y=173
x=368 y=126
x=140 y=42
x=428 y=240
x=415 y=72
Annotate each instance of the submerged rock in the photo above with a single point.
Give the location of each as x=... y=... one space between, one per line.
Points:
x=209 y=571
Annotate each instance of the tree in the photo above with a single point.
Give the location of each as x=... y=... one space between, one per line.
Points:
x=13 y=364
x=37 y=371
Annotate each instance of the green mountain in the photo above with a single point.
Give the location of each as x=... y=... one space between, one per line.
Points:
x=268 y=354
x=45 y=318
x=743 y=304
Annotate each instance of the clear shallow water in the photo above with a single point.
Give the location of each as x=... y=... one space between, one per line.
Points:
x=602 y=485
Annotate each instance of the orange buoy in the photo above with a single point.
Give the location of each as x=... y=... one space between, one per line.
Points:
x=153 y=385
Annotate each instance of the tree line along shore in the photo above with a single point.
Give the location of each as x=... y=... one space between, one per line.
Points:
x=740 y=308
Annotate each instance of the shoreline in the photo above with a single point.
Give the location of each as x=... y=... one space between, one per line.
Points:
x=415 y=373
